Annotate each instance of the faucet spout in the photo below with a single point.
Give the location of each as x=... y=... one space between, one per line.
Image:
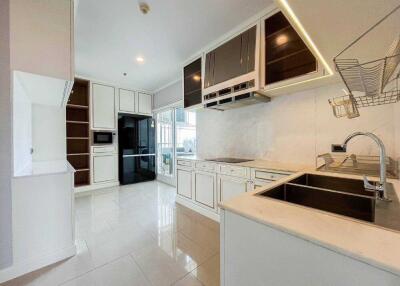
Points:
x=381 y=188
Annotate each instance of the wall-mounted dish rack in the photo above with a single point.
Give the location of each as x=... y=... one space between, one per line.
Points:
x=370 y=83
x=356 y=164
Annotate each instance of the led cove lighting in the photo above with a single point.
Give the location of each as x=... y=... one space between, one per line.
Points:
x=305 y=34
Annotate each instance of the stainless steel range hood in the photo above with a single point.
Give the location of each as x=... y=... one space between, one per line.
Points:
x=238 y=101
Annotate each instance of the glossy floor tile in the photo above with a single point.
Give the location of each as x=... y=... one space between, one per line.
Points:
x=135 y=235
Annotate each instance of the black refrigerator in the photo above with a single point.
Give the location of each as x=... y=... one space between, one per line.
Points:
x=136 y=140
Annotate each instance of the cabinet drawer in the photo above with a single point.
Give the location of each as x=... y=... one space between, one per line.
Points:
x=268 y=175
x=184 y=163
x=103 y=149
x=237 y=171
x=206 y=166
x=104 y=168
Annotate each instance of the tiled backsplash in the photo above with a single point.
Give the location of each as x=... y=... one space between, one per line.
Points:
x=294 y=128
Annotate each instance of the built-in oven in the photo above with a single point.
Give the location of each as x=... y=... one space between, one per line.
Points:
x=103 y=137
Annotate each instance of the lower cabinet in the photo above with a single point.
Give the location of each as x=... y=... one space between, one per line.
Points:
x=229 y=187
x=184 y=183
x=105 y=168
x=257 y=184
x=205 y=188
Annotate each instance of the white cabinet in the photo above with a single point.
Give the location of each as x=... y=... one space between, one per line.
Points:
x=103 y=111
x=229 y=187
x=127 y=102
x=184 y=183
x=205 y=188
x=144 y=103
x=41 y=37
x=105 y=168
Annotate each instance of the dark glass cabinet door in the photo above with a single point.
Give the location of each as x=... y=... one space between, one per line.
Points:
x=192 y=83
x=231 y=59
x=286 y=55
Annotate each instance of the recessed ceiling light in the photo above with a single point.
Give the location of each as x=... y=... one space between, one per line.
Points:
x=140 y=59
x=144 y=7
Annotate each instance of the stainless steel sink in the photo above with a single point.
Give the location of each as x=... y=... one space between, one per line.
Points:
x=344 y=185
x=342 y=196
x=355 y=206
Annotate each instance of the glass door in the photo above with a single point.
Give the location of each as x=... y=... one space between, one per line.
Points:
x=185 y=126
x=165 y=145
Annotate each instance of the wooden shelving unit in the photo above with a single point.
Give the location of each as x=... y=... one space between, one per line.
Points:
x=78 y=132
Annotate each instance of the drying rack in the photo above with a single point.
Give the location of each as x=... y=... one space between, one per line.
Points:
x=370 y=83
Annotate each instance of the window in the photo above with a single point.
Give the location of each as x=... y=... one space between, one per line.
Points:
x=185 y=127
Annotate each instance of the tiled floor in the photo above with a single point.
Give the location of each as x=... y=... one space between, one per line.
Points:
x=136 y=235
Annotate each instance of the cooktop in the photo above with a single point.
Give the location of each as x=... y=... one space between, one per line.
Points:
x=229 y=160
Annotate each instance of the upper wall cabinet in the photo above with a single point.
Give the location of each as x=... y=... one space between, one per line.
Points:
x=192 y=84
x=41 y=37
x=103 y=110
x=286 y=58
x=127 y=101
x=286 y=55
x=232 y=68
x=144 y=103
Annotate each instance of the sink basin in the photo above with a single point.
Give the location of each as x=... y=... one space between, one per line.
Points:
x=345 y=185
x=332 y=194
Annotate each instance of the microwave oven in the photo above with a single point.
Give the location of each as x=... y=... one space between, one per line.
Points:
x=103 y=137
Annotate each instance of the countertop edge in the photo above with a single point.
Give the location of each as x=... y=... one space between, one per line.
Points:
x=230 y=206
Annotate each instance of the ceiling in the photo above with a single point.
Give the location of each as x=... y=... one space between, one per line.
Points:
x=111 y=34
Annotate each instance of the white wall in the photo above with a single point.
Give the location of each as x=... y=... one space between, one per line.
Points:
x=169 y=95
x=293 y=128
x=5 y=139
x=22 y=129
x=48 y=133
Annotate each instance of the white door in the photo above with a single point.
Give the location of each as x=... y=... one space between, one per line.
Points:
x=184 y=179
x=103 y=106
x=126 y=101
x=230 y=187
x=104 y=168
x=144 y=103
x=204 y=187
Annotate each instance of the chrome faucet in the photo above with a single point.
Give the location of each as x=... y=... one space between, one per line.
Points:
x=380 y=188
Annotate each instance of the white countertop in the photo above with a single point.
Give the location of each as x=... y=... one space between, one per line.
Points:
x=363 y=241
x=256 y=163
x=45 y=168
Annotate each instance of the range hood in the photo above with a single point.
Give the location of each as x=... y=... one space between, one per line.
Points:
x=231 y=72
x=237 y=101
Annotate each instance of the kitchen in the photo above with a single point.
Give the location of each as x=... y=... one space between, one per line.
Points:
x=229 y=165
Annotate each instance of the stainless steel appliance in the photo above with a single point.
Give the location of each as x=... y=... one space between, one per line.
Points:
x=136 y=140
x=103 y=137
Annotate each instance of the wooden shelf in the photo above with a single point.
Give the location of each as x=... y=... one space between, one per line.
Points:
x=78 y=138
x=81 y=185
x=77 y=122
x=77 y=106
x=278 y=32
x=193 y=91
x=81 y=170
x=77 y=130
x=286 y=56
